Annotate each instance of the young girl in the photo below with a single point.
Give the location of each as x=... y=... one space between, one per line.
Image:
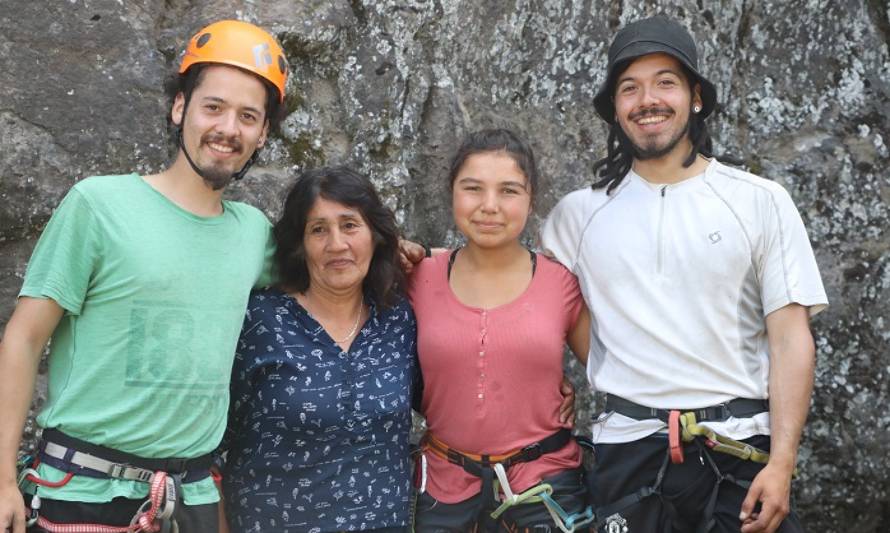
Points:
x=493 y=318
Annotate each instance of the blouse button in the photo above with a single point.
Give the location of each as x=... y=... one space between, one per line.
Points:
x=481 y=395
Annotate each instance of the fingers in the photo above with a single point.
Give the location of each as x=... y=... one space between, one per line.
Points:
x=566 y=387
x=767 y=520
x=770 y=516
x=749 y=502
x=15 y=523
x=567 y=412
x=18 y=522
x=567 y=406
x=411 y=251
x=405 y=263
x=771 y=490
x=12 y=509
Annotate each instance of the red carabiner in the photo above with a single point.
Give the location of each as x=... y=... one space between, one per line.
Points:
x=674 y=442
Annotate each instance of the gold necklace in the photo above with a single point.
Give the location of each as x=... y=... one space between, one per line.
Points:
x=354 y=327
x=358 y=317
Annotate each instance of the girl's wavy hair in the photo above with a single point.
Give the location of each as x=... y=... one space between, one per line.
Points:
x=384 y=281
x=620 y=151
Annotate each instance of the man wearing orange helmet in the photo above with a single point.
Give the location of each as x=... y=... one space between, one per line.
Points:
x=142 y=282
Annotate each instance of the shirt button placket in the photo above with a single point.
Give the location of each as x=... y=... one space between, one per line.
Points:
x=480 y=394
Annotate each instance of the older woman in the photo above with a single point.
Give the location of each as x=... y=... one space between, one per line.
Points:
x=321 y=387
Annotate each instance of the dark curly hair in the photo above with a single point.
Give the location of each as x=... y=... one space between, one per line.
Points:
x=621 y=151
x=384 y=282
x=189 y=81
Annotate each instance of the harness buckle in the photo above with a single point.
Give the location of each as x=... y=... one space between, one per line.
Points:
x=721 y=411
x=531 y=452
x=130 y=472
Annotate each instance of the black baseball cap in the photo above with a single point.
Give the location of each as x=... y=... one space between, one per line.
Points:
x=652 y=35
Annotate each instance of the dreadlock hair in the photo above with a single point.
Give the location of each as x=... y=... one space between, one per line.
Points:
x=620 y=151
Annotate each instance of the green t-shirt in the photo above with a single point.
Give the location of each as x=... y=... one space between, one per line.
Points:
x=154 y=300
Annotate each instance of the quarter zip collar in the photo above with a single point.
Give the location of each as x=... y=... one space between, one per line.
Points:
x=662 y=188
x=686 y=184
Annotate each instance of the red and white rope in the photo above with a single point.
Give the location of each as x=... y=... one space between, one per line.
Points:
x=143 y=522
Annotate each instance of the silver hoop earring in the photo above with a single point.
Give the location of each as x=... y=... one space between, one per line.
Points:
x=696 y=109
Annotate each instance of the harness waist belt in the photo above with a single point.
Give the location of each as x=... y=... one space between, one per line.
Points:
x=71 y=454
x=738 y=408
x=473 y=463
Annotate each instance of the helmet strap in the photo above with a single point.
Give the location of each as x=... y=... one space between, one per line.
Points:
x=240 y=174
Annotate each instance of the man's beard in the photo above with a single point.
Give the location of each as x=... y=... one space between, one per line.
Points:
x=653 y=150
x=217 y=177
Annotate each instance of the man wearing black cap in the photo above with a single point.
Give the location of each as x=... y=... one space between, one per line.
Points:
x=701 y=280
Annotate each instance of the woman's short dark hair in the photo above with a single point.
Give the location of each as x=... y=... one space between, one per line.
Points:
x=187 y=83
x=497 y=140
x=385 y=280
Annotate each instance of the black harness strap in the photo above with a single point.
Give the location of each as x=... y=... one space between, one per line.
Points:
x=194 y=469
x=707 y=520
x=552 y=443
x=738 y=408
x=634 y=498
x=483 y=467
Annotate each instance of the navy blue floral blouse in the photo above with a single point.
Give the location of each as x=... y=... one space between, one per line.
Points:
x=318 y=438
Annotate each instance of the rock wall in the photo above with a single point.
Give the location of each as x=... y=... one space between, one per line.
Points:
x=391 y=86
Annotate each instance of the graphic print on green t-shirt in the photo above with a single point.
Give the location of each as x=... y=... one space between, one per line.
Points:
x=154 y=298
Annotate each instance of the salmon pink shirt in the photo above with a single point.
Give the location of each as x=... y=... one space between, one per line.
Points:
x=492 y=376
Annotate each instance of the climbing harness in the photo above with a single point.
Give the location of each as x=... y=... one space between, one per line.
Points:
x=683 y=425
x=492 y=469
x=76 y=457
x=683 y=429
x=687 y=429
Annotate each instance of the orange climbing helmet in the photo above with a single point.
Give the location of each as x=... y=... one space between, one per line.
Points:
x=240 y=44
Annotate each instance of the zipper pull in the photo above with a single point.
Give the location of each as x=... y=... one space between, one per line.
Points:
x=663 y=190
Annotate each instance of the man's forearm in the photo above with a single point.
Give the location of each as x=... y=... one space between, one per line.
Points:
x=19 y=361
x=29 y=328
x=792 y=364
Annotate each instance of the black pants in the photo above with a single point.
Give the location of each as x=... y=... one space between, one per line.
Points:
x=119 y=512
x=433 y=516
x=622 y=469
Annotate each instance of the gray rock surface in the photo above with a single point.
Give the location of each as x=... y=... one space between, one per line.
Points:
x=391 y=86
